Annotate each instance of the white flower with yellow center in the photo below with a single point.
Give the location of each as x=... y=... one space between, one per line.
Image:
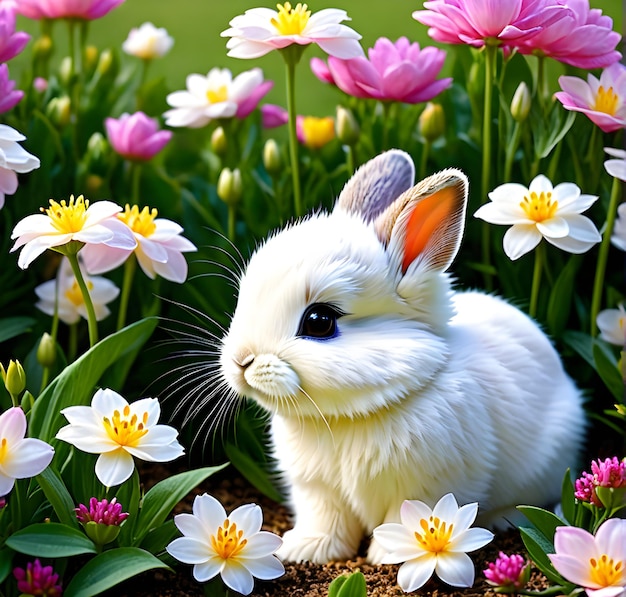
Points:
x=70 y=221
x=612 y=325
x=232 y=546
x=434 y=540
x=14 y=160
x=541 y=211
x=261 y=30
x=148 y=42
x=595 y=563
x=159 y=249
x=118 y=431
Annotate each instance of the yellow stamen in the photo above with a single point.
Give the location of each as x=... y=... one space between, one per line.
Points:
x=141 y=222
x=124 y=429
x=68 y=217
x=539 y=207
x=215 y=96
x=74 y=294
x=435 y=534
x=228 y=542
x=606 y=572
x=3 y=449
x=291 y=21
x=606 y=101
x=318 y=131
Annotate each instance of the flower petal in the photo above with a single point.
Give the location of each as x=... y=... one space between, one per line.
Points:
x=414 y=574
x=520 y=239
x=113 y=468
x=237 y=577
x=189 y=550
x=455 y=569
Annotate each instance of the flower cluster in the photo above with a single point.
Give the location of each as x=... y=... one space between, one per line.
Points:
x=101 y=512
x=36 y=579
x=609 y=473
x=509 y=574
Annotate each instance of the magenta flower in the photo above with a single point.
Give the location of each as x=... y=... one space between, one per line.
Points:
x=509 y=573
x=9 y=96
x=66 y=9
x=610 y=472
x=584 y=38
x=136 y=137
x=11 y=42
x=36 y=579
x=480 y=22
x=400 y=71
x=101 y=512
x=273 y=116
x=602 y=100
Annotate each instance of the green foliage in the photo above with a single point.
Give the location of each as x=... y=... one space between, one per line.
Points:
x=51 y=540
x=351 y=585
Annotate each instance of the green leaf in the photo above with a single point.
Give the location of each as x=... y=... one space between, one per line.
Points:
x=560 y=301
x=109 y=569
x=568 y=501
x=605 y=365
x=157 y=539
x=353 y=586
x=75 y=385
x=50 y=540
x=14 y=326
x=546 y=522
x=538 y=547
x=252 y=471
x=582 y=343
x=6 y=563
x=161 y=499
x=59 y=497
x=335 y=586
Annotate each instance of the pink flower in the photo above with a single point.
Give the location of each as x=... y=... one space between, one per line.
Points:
x=9 y=96
x=64 y=9
x=480 y=22
x=509 y=573
x=399 y=71
x=136 y=136
x=101 y=512
x=273 y=116
x=602 y=100
x=584 y=38
x=11 y=42
x=38 y=580
x=610 y=472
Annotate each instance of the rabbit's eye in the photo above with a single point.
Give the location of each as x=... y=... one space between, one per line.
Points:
x=319 y=321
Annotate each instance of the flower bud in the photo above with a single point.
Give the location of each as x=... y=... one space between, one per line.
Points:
x=91 y=58
x=65 y=71
x=46 y=351
x=520 y=105
x=432 y=122
x=219 y=142
x=229 y=186
x=14 y=378
x=346 y=126
x=271 y=157
x=105 y=63
x=97 y=147
x=59 y=110
x=42 y=48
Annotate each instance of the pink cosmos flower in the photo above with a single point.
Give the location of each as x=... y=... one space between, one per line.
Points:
x=584 y=38
x=9 y=96
x=602 y=100
x=399 y=71
x=480 y=22
x=509 y=573
x=64 y=9
x=273 y=116
x=11 y=42
x=36 y=579
x=136 y=137
x=610 y=472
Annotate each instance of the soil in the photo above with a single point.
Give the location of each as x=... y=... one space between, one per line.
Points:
x=306 y=579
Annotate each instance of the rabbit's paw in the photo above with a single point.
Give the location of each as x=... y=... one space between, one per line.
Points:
x=319 y=548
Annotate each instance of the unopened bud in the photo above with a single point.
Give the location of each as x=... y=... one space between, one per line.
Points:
x=432 y=122
x=97 y=147
x=59 y=110
x=219 y=142
x=346 y=126
x=105 y=63
x=520 y=104
x=14 y=378
x=271 y=157
x=42 y=48
x=229 y=186
x=46 y=351
x=91 y=58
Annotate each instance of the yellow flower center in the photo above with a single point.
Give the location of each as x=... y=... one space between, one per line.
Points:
x=606 y=572
x=228 y=542
x=124 y=429
x=74 y=294
x=68 y=217
x=539 y=207
x=4 y=448
x=291 y=21
x=141 y=222
x=318 y=131
x=606 y=101
x=215 y=96
x=435 y=534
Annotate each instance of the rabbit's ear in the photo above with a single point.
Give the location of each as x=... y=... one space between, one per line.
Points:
x=377 y=184
x=426 y=222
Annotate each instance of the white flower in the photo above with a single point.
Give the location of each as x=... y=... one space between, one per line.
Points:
x=541 y=211
x=233 y=546
x=20 y=457
x=618 y=238
x=261 y=30
x=13 y=159
x=616 y=168
x=612 y=325
x=118 y=431
x=64 y=295
x=217 y=95
x=148 y=42
x=159 y=250
x=64 y=222
x=434 y=540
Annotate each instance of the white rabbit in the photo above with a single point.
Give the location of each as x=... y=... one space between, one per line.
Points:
x=383 y=383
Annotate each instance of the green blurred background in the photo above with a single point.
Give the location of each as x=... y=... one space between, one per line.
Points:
x=195 y=26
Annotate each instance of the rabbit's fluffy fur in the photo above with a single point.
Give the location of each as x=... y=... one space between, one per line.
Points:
x=420 y=391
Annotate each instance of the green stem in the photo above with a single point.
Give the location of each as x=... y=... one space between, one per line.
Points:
x=135 y=182
x=510 y=151
x=603 y=254
x=129 y=272
x=534 y=291
x=72 y=343
x=91 y=314
x=293 y=137
x=232 y=221
x=424 y=159
x=349 y=159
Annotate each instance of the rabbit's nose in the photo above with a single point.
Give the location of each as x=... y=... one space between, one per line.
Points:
x=244 y=358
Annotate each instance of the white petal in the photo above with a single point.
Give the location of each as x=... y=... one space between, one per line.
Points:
x=465 y=517
x=260 y=544
x=107 y=401
x=6 y=484
x=265 y=568
x=174 y=269
x=157 y=453
x=540 y=184
x=188 y=550
x=237 y=577
x=398 y=541
x=472 y=539
x=28 y=458
x=113 y=468
x=412 y=512
x=555 y=227
x=208 y=570
x=191 y=526
x=610 y=539
x=506 y=213
x=456 y=569
x=87 y=439
x=446 y=508
x=520 y=239
x=147 y=405
x=571 y=245
x=209 y=510
x=13 y=425
x=582 y=228
x=414 y=574
x=616 y=168
x=248 y=517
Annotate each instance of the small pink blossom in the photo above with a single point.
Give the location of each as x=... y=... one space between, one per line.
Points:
x=602 y=100
x=40 y=84
x=11 y=42
x=66 y=9
x=36 y=579
x=509 y=573
x=9 y=96
x=400 y=71
x=610 y=472
x=136 y=137
x=101 y=512
x=273 y=116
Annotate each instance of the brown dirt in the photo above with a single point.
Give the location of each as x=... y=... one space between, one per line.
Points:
x=302 y=580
